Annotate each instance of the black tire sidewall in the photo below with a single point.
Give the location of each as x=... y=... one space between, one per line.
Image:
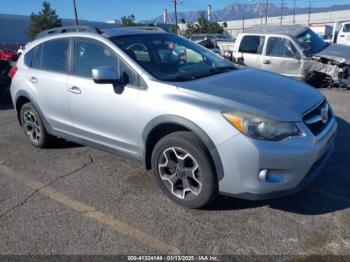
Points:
x=209 y=188
x=44 y=136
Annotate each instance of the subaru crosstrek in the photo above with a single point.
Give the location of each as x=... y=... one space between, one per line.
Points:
x=202 y=124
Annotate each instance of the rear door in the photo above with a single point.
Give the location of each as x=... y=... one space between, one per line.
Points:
x=250 y=49
x=48 y=78
x=344 y=34
x=281 y=56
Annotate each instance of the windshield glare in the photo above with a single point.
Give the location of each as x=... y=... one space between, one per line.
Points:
x=310 y=42
x=171 y=58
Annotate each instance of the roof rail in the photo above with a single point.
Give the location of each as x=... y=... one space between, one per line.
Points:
x=147 y=28
x=67 y=29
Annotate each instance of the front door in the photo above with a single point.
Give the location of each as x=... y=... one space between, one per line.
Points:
x=98 y=113
x=344 y=35
x=282 y=57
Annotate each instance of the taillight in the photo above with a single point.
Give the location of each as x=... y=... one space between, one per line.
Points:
x=12 y=72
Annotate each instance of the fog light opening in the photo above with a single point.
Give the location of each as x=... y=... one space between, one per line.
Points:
x=263 y=175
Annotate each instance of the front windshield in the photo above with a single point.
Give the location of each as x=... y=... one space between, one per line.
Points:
x=310 y=42
x=171 y=58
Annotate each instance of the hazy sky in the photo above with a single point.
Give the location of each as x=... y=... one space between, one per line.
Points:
x=103 y=10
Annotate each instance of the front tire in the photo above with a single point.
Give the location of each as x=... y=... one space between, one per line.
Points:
x=184 y=170
x=33 y=127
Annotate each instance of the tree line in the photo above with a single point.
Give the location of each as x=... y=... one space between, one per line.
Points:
x=47 y=19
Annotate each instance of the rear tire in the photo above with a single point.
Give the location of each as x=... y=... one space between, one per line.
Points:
x=184 y=170
x=33 y=127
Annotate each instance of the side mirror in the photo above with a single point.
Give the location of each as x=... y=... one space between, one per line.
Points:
x=105 y=75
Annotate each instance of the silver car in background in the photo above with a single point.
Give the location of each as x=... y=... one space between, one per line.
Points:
x=204 y=126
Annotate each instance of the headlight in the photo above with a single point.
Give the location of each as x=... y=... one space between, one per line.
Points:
x=259 y=127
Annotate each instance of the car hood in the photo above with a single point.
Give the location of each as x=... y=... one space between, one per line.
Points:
x=338 y=53
x=256 y=91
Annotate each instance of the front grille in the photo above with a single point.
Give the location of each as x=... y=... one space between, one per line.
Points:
x=318 y=118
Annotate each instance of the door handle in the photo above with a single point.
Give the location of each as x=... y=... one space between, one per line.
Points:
x=75 y=90
x=266 y=62
x=33 y=80
x=341 y=35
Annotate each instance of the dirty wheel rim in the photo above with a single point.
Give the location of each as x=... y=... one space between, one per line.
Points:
x=179 y=172
x=31 y=126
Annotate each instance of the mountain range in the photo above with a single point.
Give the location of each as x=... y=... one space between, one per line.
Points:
x=237 y=11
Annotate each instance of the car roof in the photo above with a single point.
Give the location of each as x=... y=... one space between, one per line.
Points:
x=290 y=30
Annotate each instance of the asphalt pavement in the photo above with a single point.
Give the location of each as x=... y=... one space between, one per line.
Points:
x=76 y=200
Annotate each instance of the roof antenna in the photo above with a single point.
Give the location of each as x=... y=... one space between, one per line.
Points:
x=75 y=14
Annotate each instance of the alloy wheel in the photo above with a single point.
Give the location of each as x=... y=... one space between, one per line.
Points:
x=31 y=126
x=179 y=172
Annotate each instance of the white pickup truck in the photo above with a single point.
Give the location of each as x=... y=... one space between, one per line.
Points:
x=294 y=51
x=341 y=33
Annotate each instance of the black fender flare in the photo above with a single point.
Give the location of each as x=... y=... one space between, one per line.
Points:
x=23 y=93
x=173 y=119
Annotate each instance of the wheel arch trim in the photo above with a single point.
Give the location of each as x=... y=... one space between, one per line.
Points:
x=23 y=93
x=177 y=120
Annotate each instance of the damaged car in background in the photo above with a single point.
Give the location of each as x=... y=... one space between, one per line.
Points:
x=294 y=51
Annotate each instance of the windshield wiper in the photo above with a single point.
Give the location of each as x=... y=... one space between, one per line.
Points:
x=214 y=71
x=195 y=75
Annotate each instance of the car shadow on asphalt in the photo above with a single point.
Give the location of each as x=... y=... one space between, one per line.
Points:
x=329 y=192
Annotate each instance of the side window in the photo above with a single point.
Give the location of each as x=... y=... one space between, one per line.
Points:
x=280 y=47
x=346 y=28
x=37 y=57
x=54 y=55
x=90 y=54
x=28 y=57
x=252 y=44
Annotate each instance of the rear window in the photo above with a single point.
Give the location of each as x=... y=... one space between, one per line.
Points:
x=28 y=57
x=54 y=55
x=252 y=44
x=37 y=57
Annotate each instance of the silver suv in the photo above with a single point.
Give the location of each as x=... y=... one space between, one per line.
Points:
x=204 y=126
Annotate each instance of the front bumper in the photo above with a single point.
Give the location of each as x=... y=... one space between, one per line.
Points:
x=292 y=163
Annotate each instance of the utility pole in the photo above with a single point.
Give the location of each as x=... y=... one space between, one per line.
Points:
x=282 y=6
x=243 y=21
x=175 y=13
x=75 y=13
x=266 y=11
x=294 y=13
x=262 y=12
x=308 y=21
